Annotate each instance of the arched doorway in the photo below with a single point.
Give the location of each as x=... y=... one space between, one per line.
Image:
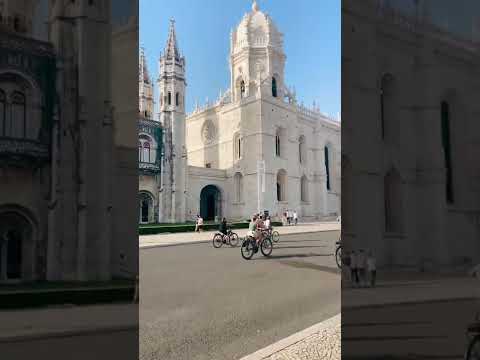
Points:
x=145 y=208
x=210 y=202
x=16 y=247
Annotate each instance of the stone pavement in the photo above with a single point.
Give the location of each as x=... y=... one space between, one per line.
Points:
x=320 y=341
x=20 y=325
x=170 y=239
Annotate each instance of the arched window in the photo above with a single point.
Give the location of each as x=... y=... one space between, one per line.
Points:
x=281 y=185
x=169 y=98
x=177 y=99
x=302 y=154
x=274 y=87
x=238 y=184
x=346 y=191
x=327 y=167
x=242 y=89
x=16 y=23
x=278 y=143
x=237 y=147
x=18 y=115
x=3 y=111
x=386 y=111
x=393 y=202
x=304 y=189
x=446 y=144
x=140 y=149
x=146 y=152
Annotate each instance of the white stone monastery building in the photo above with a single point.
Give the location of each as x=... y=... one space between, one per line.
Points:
x=67 y=153
x=411 y=139
x=252 y=150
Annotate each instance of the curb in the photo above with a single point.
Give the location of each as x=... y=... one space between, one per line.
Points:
x=66 y=333
x=293 y=339
x=147 y=246
x=407 y=302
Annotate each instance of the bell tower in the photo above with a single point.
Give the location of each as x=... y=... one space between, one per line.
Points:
x=257 y=59
x=171 y=90
x=145 y=88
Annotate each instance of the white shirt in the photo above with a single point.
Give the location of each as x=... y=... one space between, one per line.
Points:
x=371 y=263
x=267 y=223
x=200 y=221
x=295 y=216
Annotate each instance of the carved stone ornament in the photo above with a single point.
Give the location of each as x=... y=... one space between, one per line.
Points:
x=209 y=131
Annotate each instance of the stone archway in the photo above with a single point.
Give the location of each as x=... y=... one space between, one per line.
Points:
x=210 y=202
x=145 y=208
x=16 y=247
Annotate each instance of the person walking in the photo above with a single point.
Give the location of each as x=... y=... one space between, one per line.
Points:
x=361 y=265
x=295 y=217
x=372 y=268
x=289 y=217
x=353 y=268
x=199 y=225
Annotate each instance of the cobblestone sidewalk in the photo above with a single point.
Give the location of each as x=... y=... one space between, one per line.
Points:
x=322 y=345
x=319 y=342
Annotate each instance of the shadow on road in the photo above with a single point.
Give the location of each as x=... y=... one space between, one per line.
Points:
x=299 y=247
x=276 y=257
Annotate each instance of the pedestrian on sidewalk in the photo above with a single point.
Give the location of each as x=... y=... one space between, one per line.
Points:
x=353 y=268
x=199 y=224
x=361 y=265
x=372 y=268
x=288 y=216
x=295 y=217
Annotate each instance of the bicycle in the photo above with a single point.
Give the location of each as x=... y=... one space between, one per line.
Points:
x=249 y=247
x=274 y=234
x=473 y=335
x=229 y=238
x=338 y=253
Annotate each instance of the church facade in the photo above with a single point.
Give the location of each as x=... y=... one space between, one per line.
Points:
x=255 y=149
x=60 y=209
x=410 y=185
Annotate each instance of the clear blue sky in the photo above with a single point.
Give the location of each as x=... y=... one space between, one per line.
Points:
x=312 y=38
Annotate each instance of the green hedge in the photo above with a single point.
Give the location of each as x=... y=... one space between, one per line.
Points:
x=159 y=229
x=77 y=296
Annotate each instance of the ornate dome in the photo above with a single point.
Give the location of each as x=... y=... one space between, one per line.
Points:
x=256 y=30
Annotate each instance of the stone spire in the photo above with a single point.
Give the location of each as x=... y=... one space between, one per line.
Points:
x=171 y=49
x=143 y=69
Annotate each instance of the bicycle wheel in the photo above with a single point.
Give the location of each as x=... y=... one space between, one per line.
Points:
x=473 y=350
x=233 y=239
x=275 y=236
x=217 y=241
x=247 y=249
x=338 y=257
x=266 y=247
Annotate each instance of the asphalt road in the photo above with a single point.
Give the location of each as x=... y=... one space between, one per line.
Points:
x=197 y=302
x=434 y=330
x=91 y=345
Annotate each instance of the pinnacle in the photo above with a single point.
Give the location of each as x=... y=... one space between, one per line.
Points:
x=171 y=49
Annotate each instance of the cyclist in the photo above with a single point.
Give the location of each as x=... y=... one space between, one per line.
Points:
x=251 y=227
x=223 y=228
x=268 y=224
x=259 y=227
